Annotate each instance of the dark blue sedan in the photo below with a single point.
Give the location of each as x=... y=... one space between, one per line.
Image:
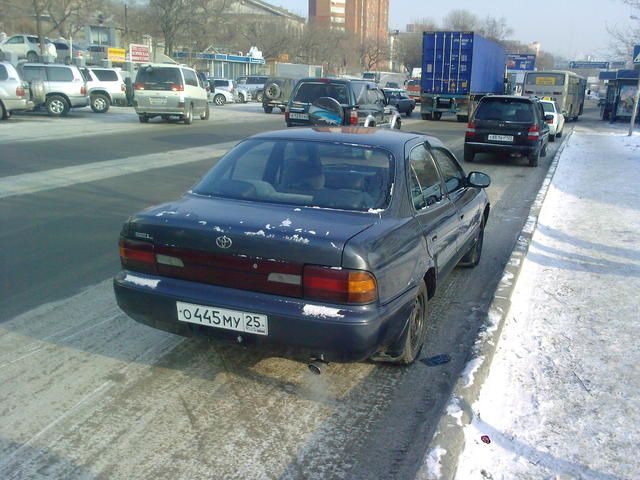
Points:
x=324 y=241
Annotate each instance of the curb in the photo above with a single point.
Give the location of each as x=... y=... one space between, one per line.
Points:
x=447 y=444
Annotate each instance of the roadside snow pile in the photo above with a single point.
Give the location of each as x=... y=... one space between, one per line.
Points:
x=563 y=394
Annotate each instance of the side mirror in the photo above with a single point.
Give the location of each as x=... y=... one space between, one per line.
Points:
x=478 y=180
x=548 y=118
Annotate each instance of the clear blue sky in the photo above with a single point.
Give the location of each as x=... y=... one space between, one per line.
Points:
x=572 y=28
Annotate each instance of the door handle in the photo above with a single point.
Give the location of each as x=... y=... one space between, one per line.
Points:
x=461 y=216
x=434 y=238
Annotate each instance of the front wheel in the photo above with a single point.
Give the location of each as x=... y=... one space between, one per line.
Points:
x=398 y=124
x=241 y=98
x=219 y=100
x=471 y=259
x=145 y=119
x=100 y=103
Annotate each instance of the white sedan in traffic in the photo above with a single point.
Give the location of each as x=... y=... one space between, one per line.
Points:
x=556 y=126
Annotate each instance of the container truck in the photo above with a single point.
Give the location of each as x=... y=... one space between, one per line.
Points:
x=458 y=69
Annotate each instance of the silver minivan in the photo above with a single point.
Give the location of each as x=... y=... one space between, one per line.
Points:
x=169 y=90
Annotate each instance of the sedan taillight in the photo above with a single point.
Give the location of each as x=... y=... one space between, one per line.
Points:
x=353 y=117
x=83 y=90
x=339 y=285
x=138 y=86
x=138 y=256
x=177 y=88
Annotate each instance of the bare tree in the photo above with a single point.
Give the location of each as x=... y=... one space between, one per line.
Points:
x=410 y=44
x=372 y=53
x=460 y=20
x=496 y=29
x=624 y=38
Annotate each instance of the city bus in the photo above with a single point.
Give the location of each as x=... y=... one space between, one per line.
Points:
x=566 y=88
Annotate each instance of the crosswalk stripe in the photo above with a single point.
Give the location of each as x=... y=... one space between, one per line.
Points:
x=28 y=183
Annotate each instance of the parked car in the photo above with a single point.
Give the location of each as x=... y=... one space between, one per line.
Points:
x=165 y=90
x=414 y=89
x=238 y=95
x=63 y=54
x=556 y=126
x=106 y=87
x=27 y=46
x=319 y=240
x=337 y=101
x=254 y=84
x=14 y=92
x=276 y=94
x=508 y=125
x=57 y=88
x=221 y=97
x=399 y=99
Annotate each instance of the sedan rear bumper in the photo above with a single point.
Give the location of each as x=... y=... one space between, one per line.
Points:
x=337 y=333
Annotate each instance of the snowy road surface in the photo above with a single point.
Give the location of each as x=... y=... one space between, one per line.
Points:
x=85 y=392
x=563 y=394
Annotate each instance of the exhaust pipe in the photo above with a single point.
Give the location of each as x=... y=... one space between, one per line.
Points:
x=317 y=366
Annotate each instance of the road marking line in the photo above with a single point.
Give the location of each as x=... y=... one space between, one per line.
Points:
x=28 y=183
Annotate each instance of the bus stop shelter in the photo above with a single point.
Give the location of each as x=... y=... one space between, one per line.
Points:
x=222 y=65
x=621 y=91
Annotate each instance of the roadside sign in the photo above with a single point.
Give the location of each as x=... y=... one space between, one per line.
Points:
x=116 y=54
x=139 y=53
x=636 y=54
x=590 y=65
x=521 y=63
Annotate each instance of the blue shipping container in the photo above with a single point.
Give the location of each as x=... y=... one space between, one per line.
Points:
x=461 y=63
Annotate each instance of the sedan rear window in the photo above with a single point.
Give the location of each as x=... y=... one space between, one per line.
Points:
x=159 y=78
x=548 y=107
x=310 y=92
x=310 y=174
x=506 y=110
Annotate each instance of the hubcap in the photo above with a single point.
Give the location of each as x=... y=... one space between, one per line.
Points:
x=57 y=106
x=219 y=101
x=99 y=103
x=417 y=321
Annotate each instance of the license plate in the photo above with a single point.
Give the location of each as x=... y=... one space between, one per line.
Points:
x=157 y=100
x=501 y=138
x=223 y=318
x=299 y=116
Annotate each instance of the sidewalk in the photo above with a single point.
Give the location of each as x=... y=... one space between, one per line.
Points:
x=562 y=399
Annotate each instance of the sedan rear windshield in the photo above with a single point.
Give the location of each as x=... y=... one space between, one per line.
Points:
x=506 y=110
x=548 y=107
x=159 y=78
x=310 y=174
x=310 y=92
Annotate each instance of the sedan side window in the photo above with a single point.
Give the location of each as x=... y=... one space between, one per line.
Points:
x=426 y=187
x=454 y=178
x=16 y=39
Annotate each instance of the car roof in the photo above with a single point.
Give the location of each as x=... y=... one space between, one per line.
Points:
x=376 y=137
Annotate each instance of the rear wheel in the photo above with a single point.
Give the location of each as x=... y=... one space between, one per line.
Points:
x=100 y=103
x=416 y=329
x=145 y=119
x=188 y=117
x=409 y=112
x=559 y=134
x=259 y=97
x=3 y=112
x=219 y=100
x=437 y=116
x=267 y=109
x=205 y=115
x=57 y=106
x=32 y=57
x=534 y=159
x=468 y=154
x=398 y=124
x=552 y=138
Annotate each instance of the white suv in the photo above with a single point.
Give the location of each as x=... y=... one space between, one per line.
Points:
x=164 y=90
x=14 y=92
x=106 y=87
x=27 y=46
x=57 y=87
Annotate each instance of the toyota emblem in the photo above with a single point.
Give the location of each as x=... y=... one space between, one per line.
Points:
x=223 y=242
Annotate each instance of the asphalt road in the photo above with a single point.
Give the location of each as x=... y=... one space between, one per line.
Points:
x=86 y=392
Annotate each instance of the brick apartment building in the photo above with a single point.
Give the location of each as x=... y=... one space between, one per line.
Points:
x=367 y=19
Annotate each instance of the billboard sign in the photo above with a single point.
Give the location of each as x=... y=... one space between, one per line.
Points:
x=590 y=65
x=521 y=62
x=116 y=54
x=139 y=53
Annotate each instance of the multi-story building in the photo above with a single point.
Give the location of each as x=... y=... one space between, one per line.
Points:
x=367 y=19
